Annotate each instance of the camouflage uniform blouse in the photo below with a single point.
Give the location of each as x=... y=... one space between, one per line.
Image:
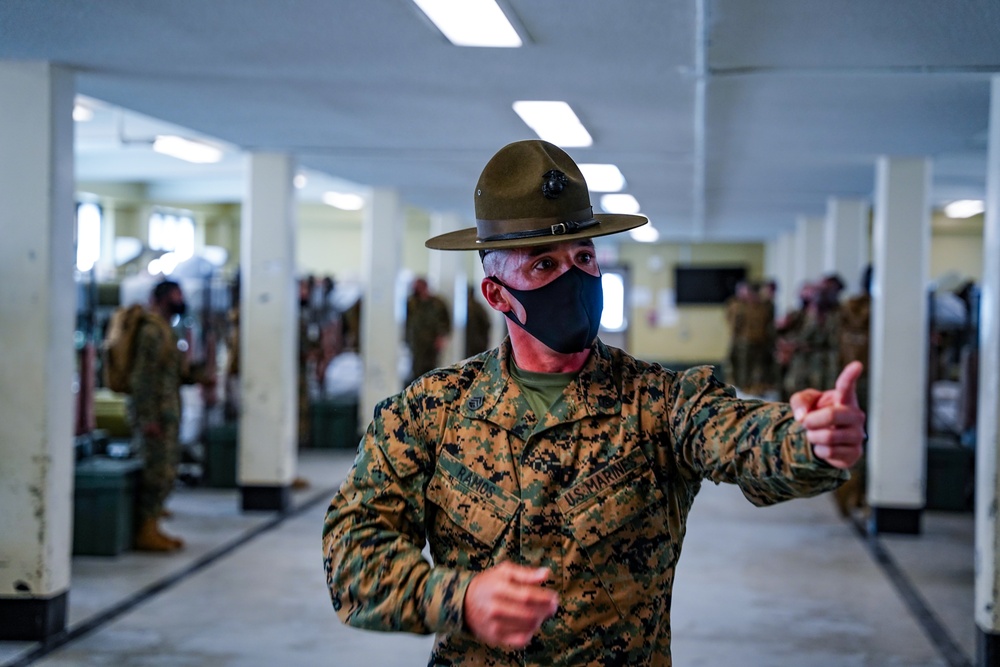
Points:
x=597 y=490
x=157 y=374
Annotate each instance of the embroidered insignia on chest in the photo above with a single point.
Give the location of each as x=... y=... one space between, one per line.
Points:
x=476 y=402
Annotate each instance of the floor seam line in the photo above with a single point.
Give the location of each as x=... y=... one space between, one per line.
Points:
x=101 y=619
x=933 y=628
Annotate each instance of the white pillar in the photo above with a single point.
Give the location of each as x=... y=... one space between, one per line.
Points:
x=988 y=423
x=779 y=260
x=808 y=250
x=773 y=257
x=268 y=335
x=788 y=289
x=382 y=310
x=448 y=278
x=846 y=246
x=37 y=308
x=898 y=380
x=106 y=263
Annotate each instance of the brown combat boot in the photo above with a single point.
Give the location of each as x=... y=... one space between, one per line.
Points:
x=148 y=537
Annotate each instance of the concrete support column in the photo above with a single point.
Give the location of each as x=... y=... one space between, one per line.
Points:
x=779 y=261
x=106 y=263
x=988 y=419
x=846 y=240
x=382 y=311
x=788 y=288
x=772 y=257
x=268 y=335
x=37 y=307
x=808 y=255
x=448 y=278
x=898 y=376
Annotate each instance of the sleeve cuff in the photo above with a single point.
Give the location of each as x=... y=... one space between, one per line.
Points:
x=445 y=599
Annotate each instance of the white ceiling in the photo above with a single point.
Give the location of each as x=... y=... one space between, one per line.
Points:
x=729 y=118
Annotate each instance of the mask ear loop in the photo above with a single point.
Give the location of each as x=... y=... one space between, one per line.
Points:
x=509 y=314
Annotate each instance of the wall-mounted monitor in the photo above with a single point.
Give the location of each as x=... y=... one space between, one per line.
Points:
x=701 y=285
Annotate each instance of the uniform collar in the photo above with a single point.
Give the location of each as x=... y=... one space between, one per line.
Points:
x=493 y=394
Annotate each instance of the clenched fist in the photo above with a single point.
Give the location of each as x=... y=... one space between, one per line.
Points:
x=506 y=604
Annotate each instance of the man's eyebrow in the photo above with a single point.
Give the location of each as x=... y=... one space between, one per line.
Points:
x=541 y=250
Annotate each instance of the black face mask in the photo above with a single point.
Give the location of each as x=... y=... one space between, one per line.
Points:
x=565 y=314
x=178 y=308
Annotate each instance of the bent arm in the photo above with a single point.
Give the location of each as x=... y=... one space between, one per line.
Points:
x=374 y=533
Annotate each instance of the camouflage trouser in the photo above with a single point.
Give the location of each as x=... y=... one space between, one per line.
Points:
x=735 y=369
x=752 y=366
x=160 y=458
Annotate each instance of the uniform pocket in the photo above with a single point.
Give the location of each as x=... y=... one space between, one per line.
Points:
x=618 y=519
x=472 y=503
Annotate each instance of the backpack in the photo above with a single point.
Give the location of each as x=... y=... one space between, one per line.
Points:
x=118 y=349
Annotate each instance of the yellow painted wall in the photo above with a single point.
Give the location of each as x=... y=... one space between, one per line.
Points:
x=328 y=241
x=957 y=247
x=416 y=256
x=685 y=333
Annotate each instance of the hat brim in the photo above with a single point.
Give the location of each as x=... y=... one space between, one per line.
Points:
x=467 y=239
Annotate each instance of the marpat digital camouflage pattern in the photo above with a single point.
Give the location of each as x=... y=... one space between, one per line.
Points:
x=598 y=491
x=158 y=371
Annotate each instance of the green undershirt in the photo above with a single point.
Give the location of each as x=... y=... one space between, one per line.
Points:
x=541 y=390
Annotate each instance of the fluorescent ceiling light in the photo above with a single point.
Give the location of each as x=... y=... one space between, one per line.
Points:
x=964 y=208
x=622 y=204
x=346 y=201
x=185 y=149
x=647 y=233
x=471 y=22
x=603 y=177
x=554 y=122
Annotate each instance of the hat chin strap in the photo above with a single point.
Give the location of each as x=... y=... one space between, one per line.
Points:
x=526 y=228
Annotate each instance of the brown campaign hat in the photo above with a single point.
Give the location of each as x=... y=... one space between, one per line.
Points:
x=532 y=193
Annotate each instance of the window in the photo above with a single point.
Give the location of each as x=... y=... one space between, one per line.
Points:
x=173 y=233
x=88 y=235
x=613 y=316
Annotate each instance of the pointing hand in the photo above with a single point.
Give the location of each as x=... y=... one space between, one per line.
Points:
x=833 y=421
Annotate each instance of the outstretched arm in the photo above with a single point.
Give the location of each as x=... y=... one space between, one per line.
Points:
x=374 y=533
